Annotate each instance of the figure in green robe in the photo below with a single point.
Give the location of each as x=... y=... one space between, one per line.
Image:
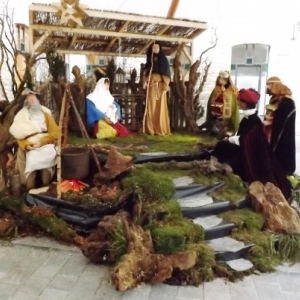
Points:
x=223 y=115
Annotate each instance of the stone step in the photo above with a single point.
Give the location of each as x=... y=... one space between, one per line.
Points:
x=165 y=157
x=240 y=265
x=213 y=209
x=183 y=181
x=228 y=249
x=195 y=195
x=214 y=227
x=195 y=190
x=222 y=230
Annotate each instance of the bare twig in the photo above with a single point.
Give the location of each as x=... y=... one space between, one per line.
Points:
x=214 y=45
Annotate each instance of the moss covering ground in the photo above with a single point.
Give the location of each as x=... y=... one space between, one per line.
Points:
x=269 y=250
x=233 y=190
x=176 y=143
x=171 y=232
x=49 y=224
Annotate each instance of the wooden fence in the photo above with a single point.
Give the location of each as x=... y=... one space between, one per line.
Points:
x=132 y=107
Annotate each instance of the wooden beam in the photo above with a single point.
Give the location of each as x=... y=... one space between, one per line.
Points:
x=160 y=32
x=126 y=17
x=173 y=8
x=110 y=33
x=87 y=52
x=196 y=33
x=30 y=34
x=40 y=41
x=188 y=55
x=73 y=41
x=93 y=42
x=115 y=38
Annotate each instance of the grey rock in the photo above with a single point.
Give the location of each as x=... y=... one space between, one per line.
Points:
x=183 y=181
x=154 y=153
x=208 y=222
x=240 y=264
x=226 y=244
x=195 y=201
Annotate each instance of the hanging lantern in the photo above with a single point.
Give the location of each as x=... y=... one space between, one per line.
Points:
x=120 y=76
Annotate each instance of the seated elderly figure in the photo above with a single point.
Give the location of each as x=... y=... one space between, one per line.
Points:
x=36 y=133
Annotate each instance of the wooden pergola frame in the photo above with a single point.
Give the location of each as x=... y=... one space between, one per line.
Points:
x=40 y=33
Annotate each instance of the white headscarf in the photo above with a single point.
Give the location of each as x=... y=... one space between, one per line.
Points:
x=101 y=97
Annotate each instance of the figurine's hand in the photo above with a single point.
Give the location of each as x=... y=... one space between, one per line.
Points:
x=37 y=145
x=108 y=120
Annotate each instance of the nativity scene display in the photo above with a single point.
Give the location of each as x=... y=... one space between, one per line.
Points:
x=102 y=164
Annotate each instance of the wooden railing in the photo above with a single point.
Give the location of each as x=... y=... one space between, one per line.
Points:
x=132 y=109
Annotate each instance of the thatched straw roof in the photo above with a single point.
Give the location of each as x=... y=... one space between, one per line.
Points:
x=101 y=32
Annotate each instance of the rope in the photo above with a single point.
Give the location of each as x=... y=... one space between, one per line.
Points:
x=147 y=89
x=121 y=5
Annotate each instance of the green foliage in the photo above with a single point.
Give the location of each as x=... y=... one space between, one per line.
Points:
x=11 y=203
x=296 y=196
x=54 y=226
x=176 y=143
x=261 y=254
x=118 y=240
x=294 y=180
x=233 y=189
x=244 y=219
x=168 y=239
x=287 y=246
x=221 y=269
x=203 y=269
x=57 y=66
x=150 y=185
x=172 y=234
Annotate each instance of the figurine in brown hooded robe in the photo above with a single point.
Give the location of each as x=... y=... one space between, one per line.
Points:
x=279 y=124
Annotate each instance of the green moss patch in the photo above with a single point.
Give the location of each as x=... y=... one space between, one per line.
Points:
x=222 y=270
x=168 y=239
x=233 y=190
x=203 y=270
x=172 y=235
x=176 y=143
x=244 y=219
x=11 y=203
x=261 y=254
x=150 y=185
x=54 y=226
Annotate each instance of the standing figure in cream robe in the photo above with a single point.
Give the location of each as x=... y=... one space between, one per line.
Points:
x=157 y=116
x=36 y=133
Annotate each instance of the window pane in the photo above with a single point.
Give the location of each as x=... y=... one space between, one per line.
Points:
x=261 y=53
x=238 y=54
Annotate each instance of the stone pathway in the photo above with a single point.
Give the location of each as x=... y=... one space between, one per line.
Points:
x=42 y=269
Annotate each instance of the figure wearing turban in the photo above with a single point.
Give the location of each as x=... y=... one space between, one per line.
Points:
x=223 y=115
x=248 y=151
x=279 y=121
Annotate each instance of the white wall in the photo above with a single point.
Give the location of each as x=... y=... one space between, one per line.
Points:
x=237 y=21
x=256 y=21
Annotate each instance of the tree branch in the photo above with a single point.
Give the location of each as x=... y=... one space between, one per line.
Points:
x=215 y=44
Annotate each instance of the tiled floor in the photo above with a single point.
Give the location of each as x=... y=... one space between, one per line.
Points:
x=44 y=270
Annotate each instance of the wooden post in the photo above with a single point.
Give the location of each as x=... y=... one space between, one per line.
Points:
x=84 y=133
x=59 y=143
x=66 y=120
